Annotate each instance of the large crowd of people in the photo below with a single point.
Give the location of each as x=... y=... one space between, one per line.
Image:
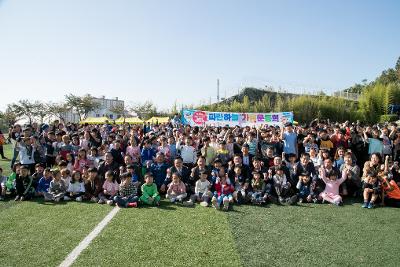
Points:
x=133 y=165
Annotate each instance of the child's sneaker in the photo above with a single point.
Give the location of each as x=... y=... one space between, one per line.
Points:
x=157 y=204
x=188 y=203
x=240 y=199
x=66 y=198
x=292 y=200
x=173 y=200
x=16 y=198
x=110 y=202
x=371 y=205
x=79 y=199
x=101 y=201
x=226 y=205
x=204 y=204
x=214 y=202
x=365 y=205
x=57 y=199
x=300 y=200
x=281 y=200
x=132 y=204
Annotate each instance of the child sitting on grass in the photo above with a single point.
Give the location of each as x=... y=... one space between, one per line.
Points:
x=3 y=189
x=258 y=189
x=44 y=183
x=176 y=189
x=150 y=195
x=371 y=189
x=76 y=187
x=10 y=183
x=110 y=187
x=57 y=188
x=283 y=187
x=304 y=186
x=127 y=196
x=23 y=184
x=241 y=185
x=93 y=186
x=223 y=193
x=331 y=192
x=202 y=191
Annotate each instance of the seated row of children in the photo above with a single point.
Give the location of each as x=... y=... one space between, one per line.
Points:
x=220 y=187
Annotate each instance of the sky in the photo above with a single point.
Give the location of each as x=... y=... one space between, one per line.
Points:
x=174 y=51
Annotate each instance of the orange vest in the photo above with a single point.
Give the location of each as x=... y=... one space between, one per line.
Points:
x=395 y=193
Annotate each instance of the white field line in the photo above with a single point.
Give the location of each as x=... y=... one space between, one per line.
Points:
x=69 y=260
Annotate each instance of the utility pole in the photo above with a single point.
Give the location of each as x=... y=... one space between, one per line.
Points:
x=217 y=90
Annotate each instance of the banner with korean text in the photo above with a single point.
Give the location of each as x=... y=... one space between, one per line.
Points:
x=207 y=118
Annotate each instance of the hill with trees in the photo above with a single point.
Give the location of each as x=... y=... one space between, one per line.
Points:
x=372 y=105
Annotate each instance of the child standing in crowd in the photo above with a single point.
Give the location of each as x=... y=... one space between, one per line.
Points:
x=150 y=194
x=81 y=160
x=187 y=152
x=223 y=153
x=127 y=195
x=76 y=187
x=57 y=188
x=133 y=149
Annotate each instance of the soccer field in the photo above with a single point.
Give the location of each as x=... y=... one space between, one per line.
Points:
x=43 y=234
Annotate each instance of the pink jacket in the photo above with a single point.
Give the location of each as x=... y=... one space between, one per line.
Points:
x=176 y=188
x=332 y=187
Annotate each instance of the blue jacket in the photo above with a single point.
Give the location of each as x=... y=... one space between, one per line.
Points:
x=147 y=154
x=159 y=172
x=43 y=185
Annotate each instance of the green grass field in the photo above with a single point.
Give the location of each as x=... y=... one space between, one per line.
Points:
x=43 y=234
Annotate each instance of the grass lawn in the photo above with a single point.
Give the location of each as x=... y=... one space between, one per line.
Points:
x=316 y=235
x=166 y=236
x=43 y=234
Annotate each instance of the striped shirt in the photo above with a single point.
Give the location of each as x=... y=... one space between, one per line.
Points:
x=127 y=190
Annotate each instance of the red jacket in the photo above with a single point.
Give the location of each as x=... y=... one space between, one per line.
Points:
x=224 y=189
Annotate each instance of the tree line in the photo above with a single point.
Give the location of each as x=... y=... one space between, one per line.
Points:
x=372 y=106
x=41 y=111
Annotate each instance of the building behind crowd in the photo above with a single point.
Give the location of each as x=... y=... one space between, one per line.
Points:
x=103 y=111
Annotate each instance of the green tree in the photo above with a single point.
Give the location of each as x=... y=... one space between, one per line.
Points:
x=58 y=110
x=146 y=110
x=82 y=105
x=118 y=109
x=279 y=103
x=40 y=110
x=23 y=109
x=8 y=118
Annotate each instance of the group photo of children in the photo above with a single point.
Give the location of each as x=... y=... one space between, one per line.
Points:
x=141 y=164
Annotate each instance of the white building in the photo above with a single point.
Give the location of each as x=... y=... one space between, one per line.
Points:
x=102 y=111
